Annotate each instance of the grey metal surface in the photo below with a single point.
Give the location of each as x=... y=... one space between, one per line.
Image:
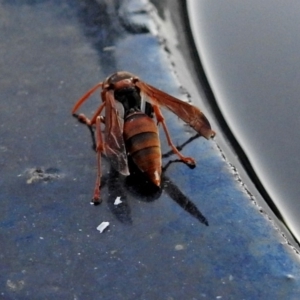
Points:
x=250 y=53
x=156 y=246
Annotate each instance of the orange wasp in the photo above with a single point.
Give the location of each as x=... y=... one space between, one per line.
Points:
x=131 y=131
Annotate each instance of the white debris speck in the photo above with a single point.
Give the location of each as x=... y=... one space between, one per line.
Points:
x=103 y=226
x=15 y=285
x=109 y=48
x=118 y=201
x=41 y=238
x=179 y=247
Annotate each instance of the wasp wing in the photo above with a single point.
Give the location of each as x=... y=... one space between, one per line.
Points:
x=115 y=148
x=185 y=111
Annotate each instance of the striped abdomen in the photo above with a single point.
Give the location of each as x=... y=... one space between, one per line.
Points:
x=143 y=144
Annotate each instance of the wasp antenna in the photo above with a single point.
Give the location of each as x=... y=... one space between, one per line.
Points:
x=86 y=96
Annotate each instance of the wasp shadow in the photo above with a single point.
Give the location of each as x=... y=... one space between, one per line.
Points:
x=182 y=200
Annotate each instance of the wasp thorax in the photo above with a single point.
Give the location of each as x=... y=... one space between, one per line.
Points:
x=120 y=76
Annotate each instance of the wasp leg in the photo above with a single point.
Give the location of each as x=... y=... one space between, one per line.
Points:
x=82 y=118
x=98 y=111
x=160 y=119
x=99 y=148
x=85 y=97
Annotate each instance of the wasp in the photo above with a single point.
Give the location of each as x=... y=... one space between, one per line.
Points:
x=130 y=129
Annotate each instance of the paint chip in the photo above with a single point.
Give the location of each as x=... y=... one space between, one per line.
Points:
x=118 y=201
x=103 y=226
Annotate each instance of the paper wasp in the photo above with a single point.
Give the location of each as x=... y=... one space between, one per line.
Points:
x=130 y=129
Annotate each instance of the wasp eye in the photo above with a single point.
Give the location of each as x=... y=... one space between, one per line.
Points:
x=134 y=79
x=106 y=86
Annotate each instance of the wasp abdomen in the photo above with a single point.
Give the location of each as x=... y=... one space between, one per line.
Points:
x=143 y=144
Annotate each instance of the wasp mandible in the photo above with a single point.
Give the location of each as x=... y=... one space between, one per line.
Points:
x=130 y=129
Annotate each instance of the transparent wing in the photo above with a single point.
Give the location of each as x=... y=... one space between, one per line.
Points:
x=114 y=143
x=185 y=111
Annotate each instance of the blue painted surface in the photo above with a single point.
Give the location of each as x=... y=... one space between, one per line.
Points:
x=153 y=249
